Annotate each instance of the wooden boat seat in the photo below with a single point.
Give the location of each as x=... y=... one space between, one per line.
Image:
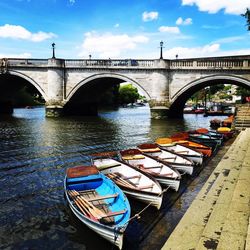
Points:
x=99 y=203
x=146 y=187
x=81 y=171
x=121 y=179
x=133 y=157
x=154 y=167
x=111 y=214
x=168 y=158
x=181 y=152
x=97 y=198
x=132 y=177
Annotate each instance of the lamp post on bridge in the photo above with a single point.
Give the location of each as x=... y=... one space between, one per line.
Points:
x=53 y=50
x=161 y=47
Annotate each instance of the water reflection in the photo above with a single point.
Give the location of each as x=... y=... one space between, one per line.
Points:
x=35 y=152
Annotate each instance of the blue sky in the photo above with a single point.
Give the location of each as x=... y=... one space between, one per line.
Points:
x=123 y=28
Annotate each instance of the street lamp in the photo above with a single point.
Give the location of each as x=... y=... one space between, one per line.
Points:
x=53 y=50
x=161 y=46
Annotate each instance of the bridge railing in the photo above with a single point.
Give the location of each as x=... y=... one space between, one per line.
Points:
x=210 y=64
x=109 y=63
x=200 y=63
x=27 y=62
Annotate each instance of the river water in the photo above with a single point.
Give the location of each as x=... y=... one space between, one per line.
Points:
x=34 y=154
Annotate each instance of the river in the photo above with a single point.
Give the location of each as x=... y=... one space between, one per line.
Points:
x=34 y=154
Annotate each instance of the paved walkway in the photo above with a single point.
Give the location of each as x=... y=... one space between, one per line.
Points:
x=218 y=218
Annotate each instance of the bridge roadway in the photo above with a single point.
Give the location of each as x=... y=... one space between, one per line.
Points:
x=218 y=218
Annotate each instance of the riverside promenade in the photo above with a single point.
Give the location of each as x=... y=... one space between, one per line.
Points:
x=218 y=218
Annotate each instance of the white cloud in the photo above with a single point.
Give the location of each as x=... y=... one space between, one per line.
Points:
x=149 y=16
x=22 y=55
x=211 y=50
x=168 y=29
x=187 y=21
x=229 y=39
x=19 y=32
x=108 y=45
x=213 y=6
x=72 y=2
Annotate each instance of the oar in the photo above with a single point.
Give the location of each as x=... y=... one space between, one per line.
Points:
x=97 y=213
x=120 y=180
x=80 y=206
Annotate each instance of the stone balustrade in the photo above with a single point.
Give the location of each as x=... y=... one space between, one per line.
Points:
x=224 y=63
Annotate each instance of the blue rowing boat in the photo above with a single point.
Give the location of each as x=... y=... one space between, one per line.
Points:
x=98 y=202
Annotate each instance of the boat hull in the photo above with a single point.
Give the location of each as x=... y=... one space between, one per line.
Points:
x=153 y=197
x=153 y=200
x=190 y=154
x=115 y=237
x=84 y=185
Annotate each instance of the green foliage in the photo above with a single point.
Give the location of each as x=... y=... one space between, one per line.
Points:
x=247 y=16
x=243 y=92
x=215 y=88
x=128 y=94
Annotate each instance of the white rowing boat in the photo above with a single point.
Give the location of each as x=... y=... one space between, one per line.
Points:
x=134 y=182
x=189 y=153
x=97 y=202
x=176 y=161
x=162 y=172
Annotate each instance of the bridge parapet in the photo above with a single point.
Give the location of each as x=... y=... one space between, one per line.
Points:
x=27 y=62
x=88 y=63
x=110 y=63
x=208 y=64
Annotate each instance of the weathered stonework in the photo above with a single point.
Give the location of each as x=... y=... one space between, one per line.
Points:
x=165 y=83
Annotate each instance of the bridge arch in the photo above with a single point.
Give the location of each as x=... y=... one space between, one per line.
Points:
x=28 y=79
x=120 y=77
x=179 y=99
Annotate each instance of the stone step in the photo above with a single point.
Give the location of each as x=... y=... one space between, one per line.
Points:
x=192 y=225
x=220 y=212
x=248 y=237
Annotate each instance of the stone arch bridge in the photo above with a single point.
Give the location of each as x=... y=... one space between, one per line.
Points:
x=167 y=84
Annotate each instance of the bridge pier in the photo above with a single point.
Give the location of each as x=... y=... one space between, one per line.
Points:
x=159 y=109
x=54 y=105
x=53 y=111
x=159 y=112
x=6 y=107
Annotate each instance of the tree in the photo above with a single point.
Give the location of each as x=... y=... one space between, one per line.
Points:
x=128 y=94
x=243 y=92
x=247 y=16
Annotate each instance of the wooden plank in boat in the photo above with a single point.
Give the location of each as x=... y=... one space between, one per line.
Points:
x=146 y=187
x=153 y=167
x=97 y=198
x=132 y=177
x=100 y=204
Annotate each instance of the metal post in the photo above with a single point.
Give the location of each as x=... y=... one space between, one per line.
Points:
x=53 y=50
x=161 y=46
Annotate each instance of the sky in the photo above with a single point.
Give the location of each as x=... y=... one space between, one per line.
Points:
x=123 y=29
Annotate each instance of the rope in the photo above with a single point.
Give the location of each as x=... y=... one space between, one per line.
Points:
x=137 y=215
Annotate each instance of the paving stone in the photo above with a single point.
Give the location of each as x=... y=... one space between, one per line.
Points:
x=219 y=216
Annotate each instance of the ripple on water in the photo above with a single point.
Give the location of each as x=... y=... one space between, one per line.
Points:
x=35 y=152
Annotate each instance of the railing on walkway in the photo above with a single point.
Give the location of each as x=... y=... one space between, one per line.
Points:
x=110 y=63
x=224 y=63
x=211 y=64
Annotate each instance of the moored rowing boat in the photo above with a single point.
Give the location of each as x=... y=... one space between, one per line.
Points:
x=97 y=202
x=161 y=171
x=176 y=161
x=134 y=182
